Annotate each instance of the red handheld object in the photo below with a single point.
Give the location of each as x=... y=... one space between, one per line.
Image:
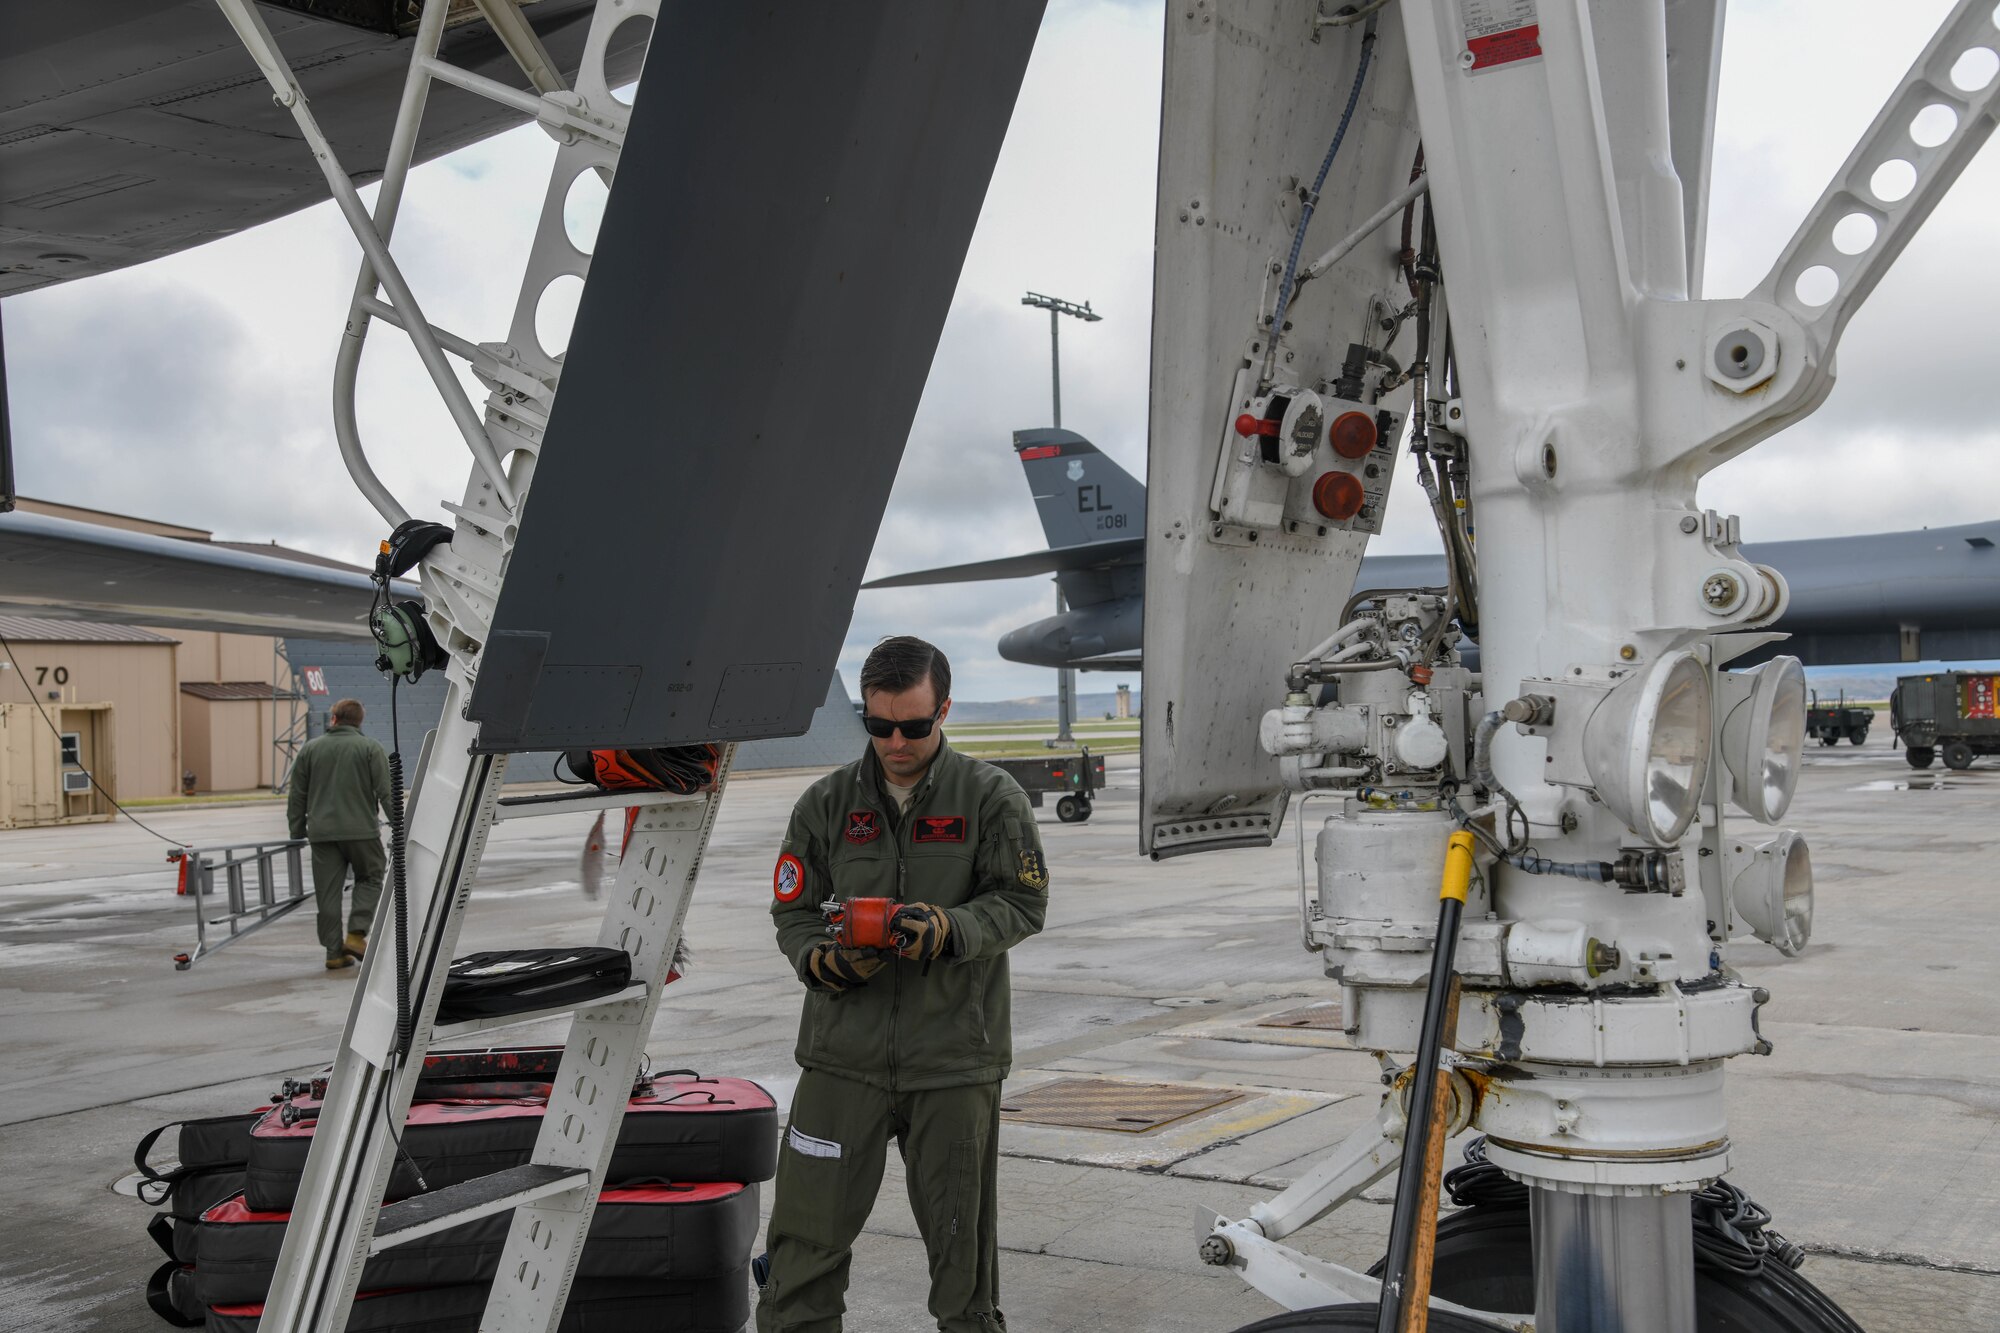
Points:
x=862 y=923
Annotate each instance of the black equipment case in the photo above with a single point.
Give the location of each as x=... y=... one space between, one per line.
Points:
x=695 y=1305
x=513 y=981
x=657 y=1232
x=212 y=1154
x=683 y=1128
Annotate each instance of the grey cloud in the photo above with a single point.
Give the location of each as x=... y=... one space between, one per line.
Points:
x=133 y=397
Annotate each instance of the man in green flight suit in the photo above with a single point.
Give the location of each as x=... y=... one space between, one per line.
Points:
x=909 y=1044
x=338 y=782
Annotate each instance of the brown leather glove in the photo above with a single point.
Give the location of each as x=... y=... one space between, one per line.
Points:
x=829 y=967
x=923 y=932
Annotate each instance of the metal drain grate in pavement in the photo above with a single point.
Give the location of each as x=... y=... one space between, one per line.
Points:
x=1324 y=1015
x=1123 y=1108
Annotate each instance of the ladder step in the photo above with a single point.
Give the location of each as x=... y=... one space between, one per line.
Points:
x=563 y=802
x=470 y=1200
x=466 y=1028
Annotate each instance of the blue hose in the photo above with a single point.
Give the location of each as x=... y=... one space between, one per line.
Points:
x=1312 y=196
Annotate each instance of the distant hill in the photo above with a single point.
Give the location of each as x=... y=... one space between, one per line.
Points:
x=1036 y=708
x=1875 y=681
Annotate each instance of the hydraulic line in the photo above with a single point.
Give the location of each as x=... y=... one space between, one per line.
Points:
x=1597 y=872
x=1348 y=629
x=1406 y=255
x=1482 y=756
x=1310 y=202
x=1482 y=775
x=1406 y=1275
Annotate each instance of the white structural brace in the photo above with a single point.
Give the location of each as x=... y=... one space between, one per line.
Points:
x=248 y=22
x=335 y=1221
x=1938 y=118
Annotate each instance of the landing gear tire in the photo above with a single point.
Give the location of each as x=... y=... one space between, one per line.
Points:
x=1920 y=756
x=1072 y=809
x=1486 y=1261
x=1958 y=755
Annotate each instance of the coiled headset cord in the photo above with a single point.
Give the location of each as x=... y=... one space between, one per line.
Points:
x=406 y=1026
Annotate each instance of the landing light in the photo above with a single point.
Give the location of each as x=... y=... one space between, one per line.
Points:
x=1763 y=734
x=1647 y=747
x=1338 y=496
x=1772 y=886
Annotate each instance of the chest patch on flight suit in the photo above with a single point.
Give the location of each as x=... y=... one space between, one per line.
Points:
x=788 y=881
x=939 y=828
x=863 y=826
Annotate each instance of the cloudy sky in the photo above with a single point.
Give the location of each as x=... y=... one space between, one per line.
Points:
x=195 y=388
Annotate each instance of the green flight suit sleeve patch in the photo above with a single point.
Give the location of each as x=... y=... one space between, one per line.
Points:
x=1034 y=871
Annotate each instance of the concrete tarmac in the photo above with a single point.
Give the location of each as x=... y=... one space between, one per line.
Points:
x=1872 y=1132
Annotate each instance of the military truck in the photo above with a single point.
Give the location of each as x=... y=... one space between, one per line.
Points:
x=1832 y=723
x=1950 y=714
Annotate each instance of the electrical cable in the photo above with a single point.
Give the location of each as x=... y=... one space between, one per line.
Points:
x=1342 y=20
x=57 y=732
x=400 y=905
x=399 y=883
x=1469 y=822
x=389 y=1123
x=1311 y=197
x=1480 y=1184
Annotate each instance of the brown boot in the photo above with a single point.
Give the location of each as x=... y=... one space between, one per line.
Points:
x=355 y=944
x=335 y=964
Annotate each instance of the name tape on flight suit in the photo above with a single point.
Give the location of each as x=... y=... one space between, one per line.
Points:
x=810 y=1146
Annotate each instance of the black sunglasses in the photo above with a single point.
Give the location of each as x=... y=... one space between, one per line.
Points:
x=915 y=729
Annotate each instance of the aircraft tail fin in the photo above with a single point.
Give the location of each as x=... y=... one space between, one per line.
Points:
x=1082 y=496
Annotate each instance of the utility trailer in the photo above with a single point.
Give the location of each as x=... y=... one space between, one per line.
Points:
x=1954 y=715
x=1830 y=724
x=1076 y=776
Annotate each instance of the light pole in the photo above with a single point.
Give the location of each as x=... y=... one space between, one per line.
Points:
x=1057 y=308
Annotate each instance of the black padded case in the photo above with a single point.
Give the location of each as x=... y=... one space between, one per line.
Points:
x=683 y=1129
x=660 y=1232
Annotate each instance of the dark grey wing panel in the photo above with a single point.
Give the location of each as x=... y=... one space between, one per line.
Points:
x=773 y=270
x=131 y=129
x=60 y=568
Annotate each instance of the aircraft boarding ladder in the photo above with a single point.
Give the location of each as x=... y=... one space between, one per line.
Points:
x=338 y=1221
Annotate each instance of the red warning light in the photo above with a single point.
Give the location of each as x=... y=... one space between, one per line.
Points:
x=1353 y=434
x=1338 y=495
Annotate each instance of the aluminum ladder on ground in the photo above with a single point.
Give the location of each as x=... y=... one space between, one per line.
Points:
x=337 y=1222
x=239 y=863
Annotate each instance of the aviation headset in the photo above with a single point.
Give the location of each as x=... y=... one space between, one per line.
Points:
x=408 y=647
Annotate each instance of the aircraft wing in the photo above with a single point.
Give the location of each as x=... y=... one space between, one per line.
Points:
x=1108 y=662
x=1092 y=555
x=133 y=129
x=62 y=569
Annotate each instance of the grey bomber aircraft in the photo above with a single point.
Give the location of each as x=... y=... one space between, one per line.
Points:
x=1928 y=595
